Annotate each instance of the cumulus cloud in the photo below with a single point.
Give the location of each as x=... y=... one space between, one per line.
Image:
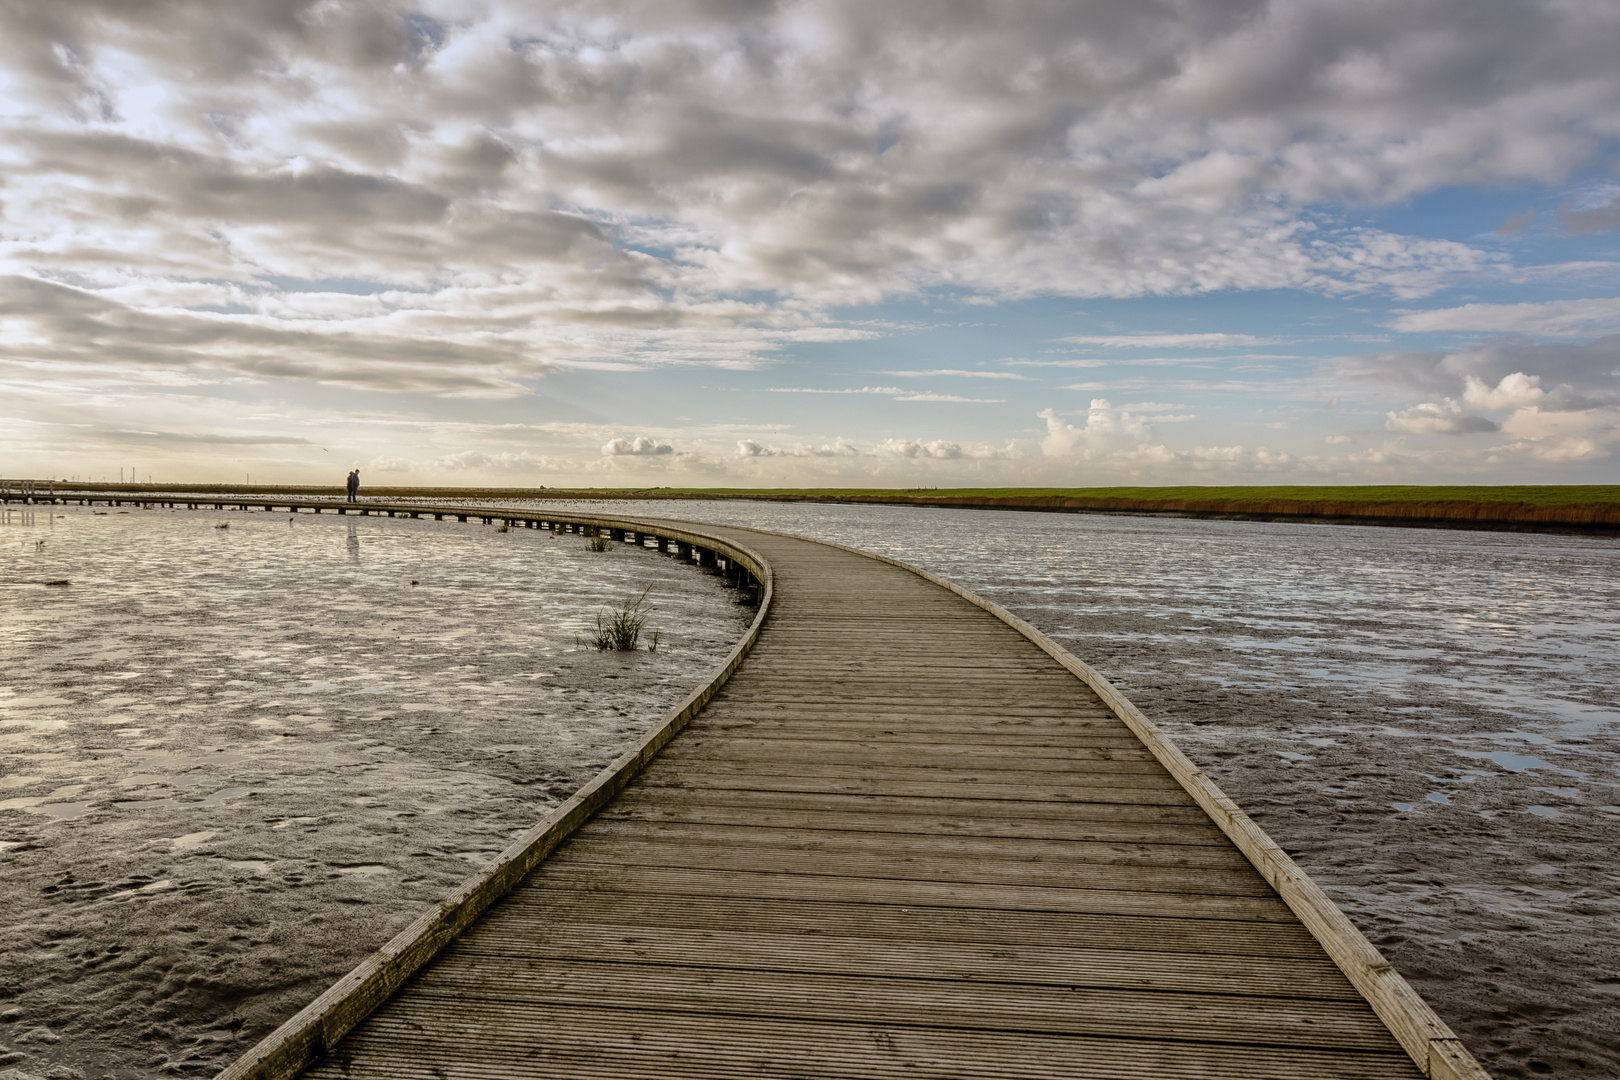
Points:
x=840 y=447
x=1105 y=429
x=1565 y=435
x=1438 y=418
x=1562 y=400
x=1587 y=370
x=640 y=446
x=912 y=448
x=1114 y=441
x=1515 y=391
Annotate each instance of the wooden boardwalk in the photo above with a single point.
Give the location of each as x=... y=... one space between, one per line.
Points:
x=901 y=841
x=905 y=839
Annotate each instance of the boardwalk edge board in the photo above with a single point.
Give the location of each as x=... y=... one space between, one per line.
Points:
x=296 y=1044
x=1434 y=1048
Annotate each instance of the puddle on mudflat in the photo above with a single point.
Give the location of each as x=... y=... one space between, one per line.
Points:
x=1513 y=762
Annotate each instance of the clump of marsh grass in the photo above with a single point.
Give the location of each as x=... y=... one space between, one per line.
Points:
x=597 y=542
x=506 y=526
x=621 y=630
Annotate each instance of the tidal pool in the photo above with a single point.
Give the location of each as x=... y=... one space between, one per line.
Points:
x=240 y=750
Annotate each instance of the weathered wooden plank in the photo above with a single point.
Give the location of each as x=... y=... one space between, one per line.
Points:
x=497 y=1041
x=720 y=808
x=567 y=898
x=1050 y=755
x=1070 y=820
x=698 y=882
x=899 y=864
x=512 y=935
x=952 y=1003
x=965 y=786
x=819 y=834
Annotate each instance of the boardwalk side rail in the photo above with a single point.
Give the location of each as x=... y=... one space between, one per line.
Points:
x=1433 y=1046
x=296 y=1044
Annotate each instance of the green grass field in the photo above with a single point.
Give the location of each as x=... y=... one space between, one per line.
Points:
x=1524 y=495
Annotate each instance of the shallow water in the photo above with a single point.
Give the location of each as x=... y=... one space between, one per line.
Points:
x=241 y=750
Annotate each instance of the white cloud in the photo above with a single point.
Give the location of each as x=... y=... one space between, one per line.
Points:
x=1515 y=391
x=886 y=390
x=462 y=210
x=500 y=461
x=840 y=447
x=1170 y=341
x=640 y=446
x=958 y=373
x=1551 y=318
x=1565 y=435
x=324 y=201
x=895 y=392
x=1105 y=428
x=930 y=395
x=911 y=448
x=1562 y=400
x=1445 y=417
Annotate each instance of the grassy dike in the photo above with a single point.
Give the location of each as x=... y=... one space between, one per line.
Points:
x=1592 y=508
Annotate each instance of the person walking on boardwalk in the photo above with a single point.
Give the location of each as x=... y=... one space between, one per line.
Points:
x=354 y=486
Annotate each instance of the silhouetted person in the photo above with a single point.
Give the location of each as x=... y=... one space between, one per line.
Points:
x=354 y=486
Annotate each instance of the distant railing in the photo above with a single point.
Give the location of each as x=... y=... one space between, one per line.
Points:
x=28 y=488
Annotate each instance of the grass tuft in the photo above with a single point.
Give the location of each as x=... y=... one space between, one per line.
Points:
x=598 y=542
x=622 y=630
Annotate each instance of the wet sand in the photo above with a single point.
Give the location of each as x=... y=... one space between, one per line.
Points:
x=235 y=761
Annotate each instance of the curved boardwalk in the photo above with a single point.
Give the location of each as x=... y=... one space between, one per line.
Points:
x=901 y=841
x=904 y=839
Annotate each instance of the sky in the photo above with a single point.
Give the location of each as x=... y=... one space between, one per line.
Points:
x=841 y=243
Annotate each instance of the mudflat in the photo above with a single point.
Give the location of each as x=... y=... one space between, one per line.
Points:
x=237 y=760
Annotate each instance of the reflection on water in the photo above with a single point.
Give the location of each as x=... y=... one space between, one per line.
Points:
x=353 y=542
